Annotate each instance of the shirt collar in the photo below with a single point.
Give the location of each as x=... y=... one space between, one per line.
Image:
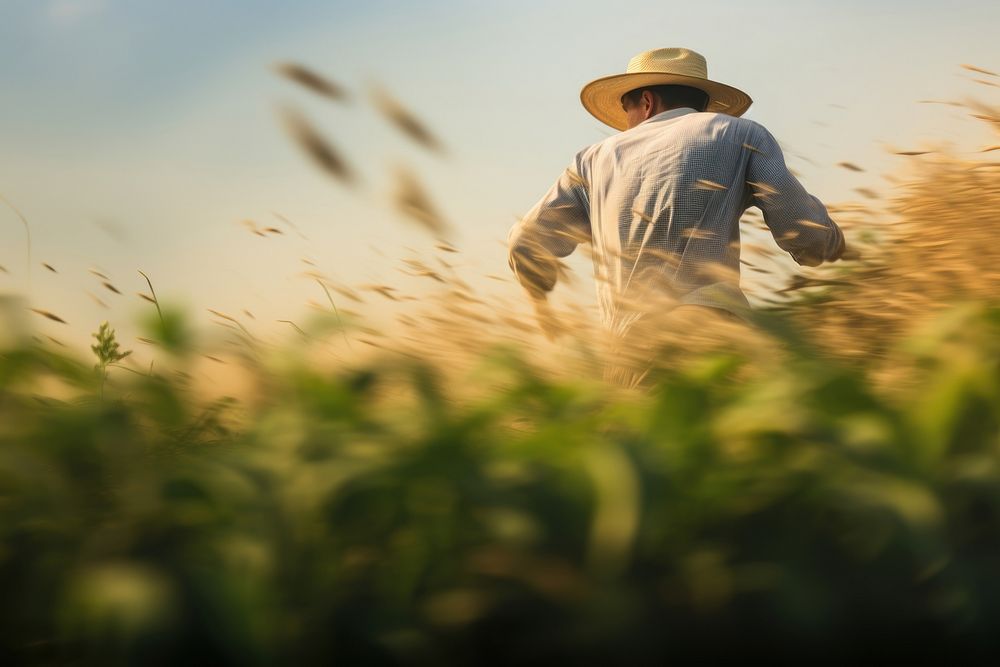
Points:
x=668 y=115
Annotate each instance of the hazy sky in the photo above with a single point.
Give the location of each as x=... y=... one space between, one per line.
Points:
x=157 y=119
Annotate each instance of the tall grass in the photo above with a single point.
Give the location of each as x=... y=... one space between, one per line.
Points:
x=382 y=516
x=822 y=485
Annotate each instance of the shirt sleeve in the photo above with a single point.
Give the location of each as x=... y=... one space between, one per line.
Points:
x=550 y=230
x=799 y=222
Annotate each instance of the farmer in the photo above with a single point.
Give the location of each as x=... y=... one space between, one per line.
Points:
x=660 y=202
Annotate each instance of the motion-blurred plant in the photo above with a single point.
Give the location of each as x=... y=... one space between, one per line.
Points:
x=381 y=515
x=761 y=499
x=107 y=351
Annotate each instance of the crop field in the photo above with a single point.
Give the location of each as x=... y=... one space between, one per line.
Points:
x=821 y=483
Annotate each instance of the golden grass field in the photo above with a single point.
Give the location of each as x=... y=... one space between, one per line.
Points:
x=821 y=483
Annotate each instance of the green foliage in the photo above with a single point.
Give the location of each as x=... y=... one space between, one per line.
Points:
x=382 y=516
x=106 y=349
x=169 y=328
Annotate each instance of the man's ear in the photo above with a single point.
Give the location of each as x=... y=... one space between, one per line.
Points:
x=648 y=103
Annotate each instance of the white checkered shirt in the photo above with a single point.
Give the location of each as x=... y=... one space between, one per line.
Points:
x=661 y=204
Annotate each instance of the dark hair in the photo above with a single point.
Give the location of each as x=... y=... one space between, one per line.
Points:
x=671 y=96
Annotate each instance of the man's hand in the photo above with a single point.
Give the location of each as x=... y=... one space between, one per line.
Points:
x=850 y=253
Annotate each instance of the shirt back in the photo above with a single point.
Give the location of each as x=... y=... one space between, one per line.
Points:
x=661 y=205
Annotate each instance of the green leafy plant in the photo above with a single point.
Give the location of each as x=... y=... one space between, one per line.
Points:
x=369 y=516
x=108 y=352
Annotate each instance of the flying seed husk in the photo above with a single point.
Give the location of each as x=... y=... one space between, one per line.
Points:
x=97 y=300
x=322 y=152
x=111 y=229
x=810 y=223
x=252 y=226
x=765 y=190
x=973 y=68
x=404 y=120
x=346 y=292
x=705 y=184
x=948 y=103
x=849 y=165
x=419 y=269
x=291 y=225
x=99 y=274
x=47 y=314
x=49 y=267
x=311 y=80
x=698 y=234
x=994 y=120
x=110 y=287
x=384 y=290
x=642 y=215
x=412 y=201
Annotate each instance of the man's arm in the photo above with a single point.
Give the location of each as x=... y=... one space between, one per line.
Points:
x=799 y=222
x=551 y=229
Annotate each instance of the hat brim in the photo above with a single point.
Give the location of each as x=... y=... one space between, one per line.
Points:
x=602 y=97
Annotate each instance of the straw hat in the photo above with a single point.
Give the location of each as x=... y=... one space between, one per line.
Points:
x=659 y=67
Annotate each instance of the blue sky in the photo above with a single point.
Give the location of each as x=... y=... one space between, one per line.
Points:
x=158 y=117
